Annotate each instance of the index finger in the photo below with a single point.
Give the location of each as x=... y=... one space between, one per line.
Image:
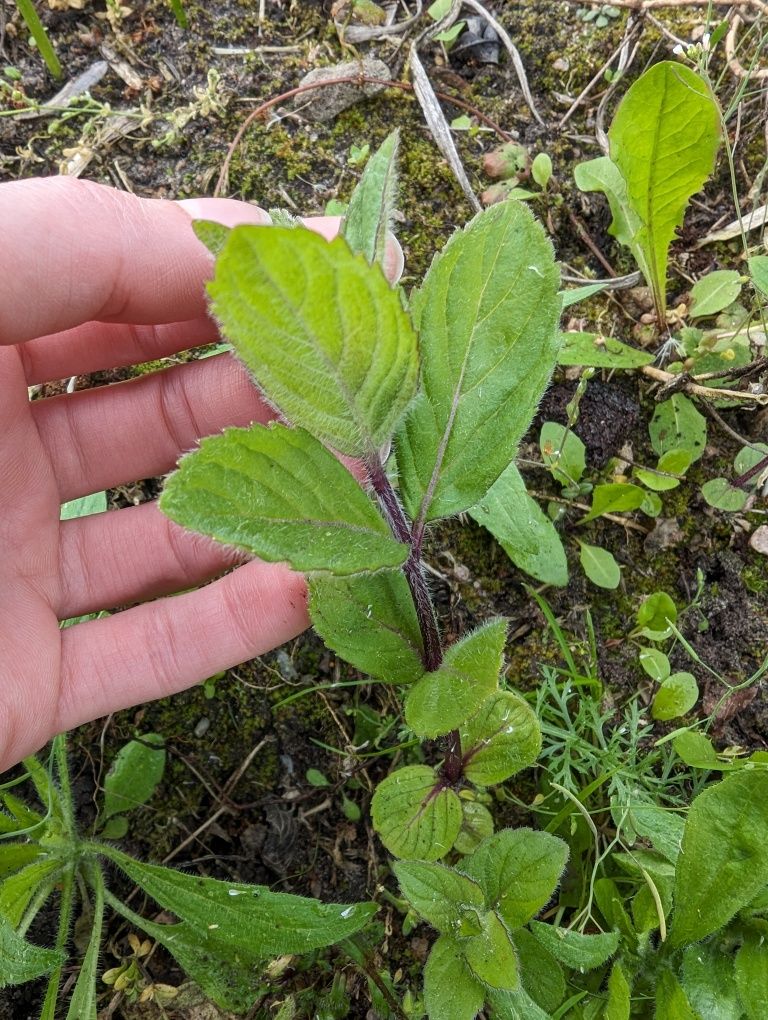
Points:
x=75 y=251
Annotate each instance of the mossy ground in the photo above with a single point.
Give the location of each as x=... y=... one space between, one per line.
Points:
x=275 y=826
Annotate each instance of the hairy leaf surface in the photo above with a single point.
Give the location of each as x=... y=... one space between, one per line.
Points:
x=503 y=738
x=524 y=532
x=451 y=991
x=584 y=952
x=280 y=494
x=487 y=316
x=440 y=895
x=415 y=817
x=491 y=955
x=372 y=204
x=518 y=871
x=323 y=333
x=442 y=700
x=723 y=858
x=251 y=916
x=21 y=960
x=370 y=621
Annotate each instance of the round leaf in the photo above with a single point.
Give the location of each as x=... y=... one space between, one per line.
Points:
x=720 y=494
x=714 y=292
x=503 y=738
x=677 y=695
x=654 y=663
x=657 y=612
x=414 y=816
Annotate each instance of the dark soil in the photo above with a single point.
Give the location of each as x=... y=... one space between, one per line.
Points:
x=272 y=826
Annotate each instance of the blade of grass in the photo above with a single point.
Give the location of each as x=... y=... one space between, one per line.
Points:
x=38 y=33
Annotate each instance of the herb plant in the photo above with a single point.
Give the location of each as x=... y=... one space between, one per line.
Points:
x=224 y=930
x=663 y=142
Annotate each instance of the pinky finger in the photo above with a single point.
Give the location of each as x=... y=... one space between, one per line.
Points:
x=166 y=646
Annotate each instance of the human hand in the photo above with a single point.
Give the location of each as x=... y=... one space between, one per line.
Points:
x=92 y=279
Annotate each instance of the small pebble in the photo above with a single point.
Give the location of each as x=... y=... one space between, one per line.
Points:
x=203 y=726
x=759 y=540
x=561 y=64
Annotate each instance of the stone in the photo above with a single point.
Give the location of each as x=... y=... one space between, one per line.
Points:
x=328 y=102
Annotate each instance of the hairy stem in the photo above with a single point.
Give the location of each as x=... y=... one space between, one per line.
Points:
x=413 y=569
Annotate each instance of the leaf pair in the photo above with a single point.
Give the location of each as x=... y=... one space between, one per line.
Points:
x=418 y=816
x=478 y=910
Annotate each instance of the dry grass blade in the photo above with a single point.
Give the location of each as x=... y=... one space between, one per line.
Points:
x=751 y=221
x=512 y=50
x=438 y=125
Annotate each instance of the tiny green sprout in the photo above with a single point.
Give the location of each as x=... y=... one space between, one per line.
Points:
x=541 y=170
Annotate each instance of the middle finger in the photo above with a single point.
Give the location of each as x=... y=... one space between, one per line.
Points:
x=108 y=436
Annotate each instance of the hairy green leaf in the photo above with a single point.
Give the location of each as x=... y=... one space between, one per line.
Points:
x=593 y=350
x=248 y=916
x=451 y=991
x=723 y=859
x=491 y=955
x=449 y=901
x=503 y=738
x=541 y=975
x=619 y=1002
x=17 y=890
x=518 y=871
x=134 y=775
x=515 y=1005
x=751 y=970
x=661 y=827
x=582 y=952
x=280 y=494
x=671 y=1001
x=443 y=699
x=14 y=856
x=476 y=824
x=372 y=205
x=709 y=982
x=325 y=336
x=82 y=1005
x=526 y=535
x=228 y=974
x=21 y=960
x=370 y=621
x=487 y=316
x=414 y=815
x=663 y=139
x=212 y=234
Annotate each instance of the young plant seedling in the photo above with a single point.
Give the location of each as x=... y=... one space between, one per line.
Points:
x=449 y=380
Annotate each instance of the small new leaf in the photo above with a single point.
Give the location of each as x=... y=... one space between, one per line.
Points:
x=440 y=701
x=323 y=333
x=281 y=495
x=414 y=816
x=503 y=738
x=372 y=205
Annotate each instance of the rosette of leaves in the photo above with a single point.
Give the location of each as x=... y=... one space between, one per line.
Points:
x=223 y=935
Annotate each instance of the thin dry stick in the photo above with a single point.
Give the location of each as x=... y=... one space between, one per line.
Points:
x=591 y=84
x=734 y=63
x=345 y=80
x=710 y=411
x=708 y=392
x=512 y=50
x=647 y=5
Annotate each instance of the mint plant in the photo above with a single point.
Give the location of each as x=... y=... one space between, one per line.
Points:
x=448 y=381
x=224 y=930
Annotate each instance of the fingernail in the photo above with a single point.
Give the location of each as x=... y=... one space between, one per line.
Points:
x=226 y=211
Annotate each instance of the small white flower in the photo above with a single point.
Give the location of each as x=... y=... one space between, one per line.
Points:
x=705 y=41
x=679 y=49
